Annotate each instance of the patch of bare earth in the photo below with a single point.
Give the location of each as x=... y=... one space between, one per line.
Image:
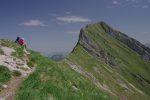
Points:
x=12 y=86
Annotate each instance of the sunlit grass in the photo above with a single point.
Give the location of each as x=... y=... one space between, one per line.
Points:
x=57 y=81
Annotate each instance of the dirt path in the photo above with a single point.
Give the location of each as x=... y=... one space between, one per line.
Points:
x=9 y=92
x=13 y=64
x=13 y=85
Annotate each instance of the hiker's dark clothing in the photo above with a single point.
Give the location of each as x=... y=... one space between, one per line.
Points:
x=17 y=40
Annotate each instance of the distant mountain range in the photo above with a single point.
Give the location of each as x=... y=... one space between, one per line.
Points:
x=57 y=56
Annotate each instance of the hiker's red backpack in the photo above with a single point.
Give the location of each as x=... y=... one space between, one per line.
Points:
x=21 y=41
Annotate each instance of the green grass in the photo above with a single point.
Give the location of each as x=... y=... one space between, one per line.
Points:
x=19 y=52
x=5 y=74
x=32 y=60
x=1 y=52
x=59 y=82
x=127 y=58
x=8 y=43
x=16 y=73
x=128 y=66
x=19 y=49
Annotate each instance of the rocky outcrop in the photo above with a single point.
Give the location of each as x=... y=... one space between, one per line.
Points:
x=97 y=51
x=88 y=43
x=130 y=42
x=14 y=57
x=14 y=63
x=94 y=49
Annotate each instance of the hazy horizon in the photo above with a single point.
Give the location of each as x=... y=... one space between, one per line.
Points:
x=53 y=25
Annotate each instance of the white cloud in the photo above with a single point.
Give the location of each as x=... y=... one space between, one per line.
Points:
x=116 y=2
x=73 y=19
x=129 y=3
x=144 y=6
x=34 y=23
x=73 y=32
x=135 y=1
x=67 y=12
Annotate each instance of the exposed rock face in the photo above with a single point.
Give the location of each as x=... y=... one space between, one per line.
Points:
x=9 y=57
x=90 y=46
x=13 y=63
x=130 y=42
x=95 y=50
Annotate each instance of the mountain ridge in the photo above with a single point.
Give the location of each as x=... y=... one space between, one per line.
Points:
x=132 y=43
x=101 y=47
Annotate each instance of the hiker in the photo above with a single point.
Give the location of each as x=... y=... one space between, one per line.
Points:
x=17 y=39
x=21 y=41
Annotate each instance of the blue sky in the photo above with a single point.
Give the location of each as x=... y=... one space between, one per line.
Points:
x=53 y=25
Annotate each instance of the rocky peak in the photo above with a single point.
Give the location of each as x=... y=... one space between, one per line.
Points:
x=90 y=46
x=135 y=45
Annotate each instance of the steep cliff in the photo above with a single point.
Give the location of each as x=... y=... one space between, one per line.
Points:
x=130 y=42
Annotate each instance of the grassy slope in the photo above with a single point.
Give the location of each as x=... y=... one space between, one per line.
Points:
x=117 y=77
x=5 y=73
x=19 y=49
x=5 y=76
x=57 y=81
x=8 y=43
x=51 y=80
x=1 y=52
